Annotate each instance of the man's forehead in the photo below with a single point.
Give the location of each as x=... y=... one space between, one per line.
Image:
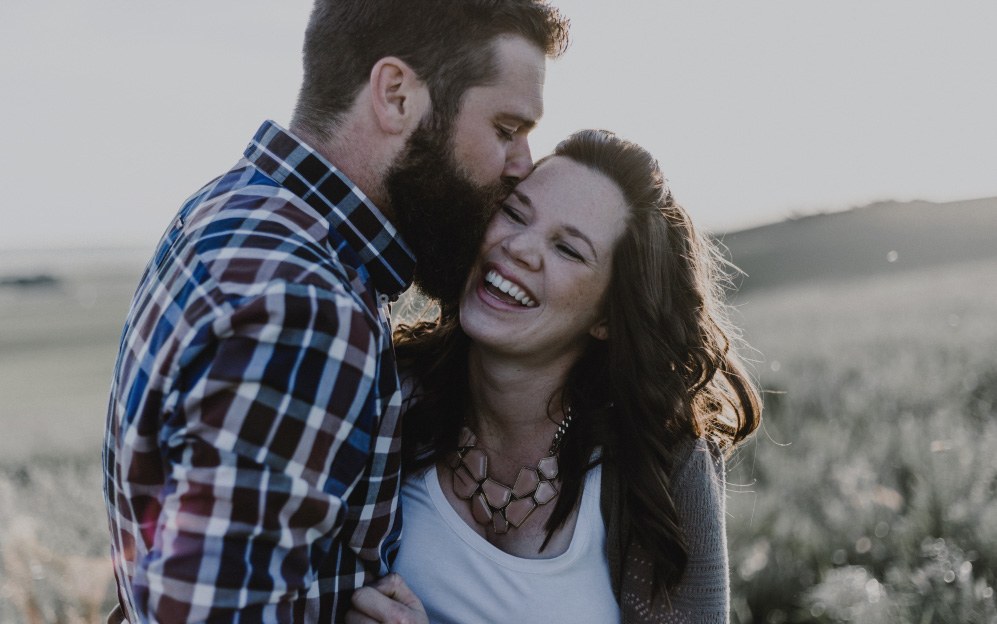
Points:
x=512 y=100
x=520 y=61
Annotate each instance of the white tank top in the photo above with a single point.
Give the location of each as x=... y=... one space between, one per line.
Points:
x=463 y=579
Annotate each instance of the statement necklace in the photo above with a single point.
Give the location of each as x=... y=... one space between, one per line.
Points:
x=494 y=503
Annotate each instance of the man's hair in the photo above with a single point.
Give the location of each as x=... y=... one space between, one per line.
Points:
x=449 y=44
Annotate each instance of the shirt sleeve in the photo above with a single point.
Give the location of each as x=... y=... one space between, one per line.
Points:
x=703 y=593
x=270 y=429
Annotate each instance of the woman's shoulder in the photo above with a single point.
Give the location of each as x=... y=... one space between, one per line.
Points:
x=699 y=491
x=698 y=461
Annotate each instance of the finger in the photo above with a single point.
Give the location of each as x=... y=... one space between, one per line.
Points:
x=355 y=617
x=394 y=586
x=373 y=603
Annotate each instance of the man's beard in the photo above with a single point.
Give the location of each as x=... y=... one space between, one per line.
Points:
x=440 y=213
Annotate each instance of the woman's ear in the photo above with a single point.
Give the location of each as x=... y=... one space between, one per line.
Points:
x=600 y=331
x=399 y=99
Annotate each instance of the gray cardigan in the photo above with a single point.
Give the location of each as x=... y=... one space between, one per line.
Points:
x=703 y=593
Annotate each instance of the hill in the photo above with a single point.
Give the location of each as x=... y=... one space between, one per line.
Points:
x=881 y=238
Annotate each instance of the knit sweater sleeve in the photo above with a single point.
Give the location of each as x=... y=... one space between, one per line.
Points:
x=703 y=594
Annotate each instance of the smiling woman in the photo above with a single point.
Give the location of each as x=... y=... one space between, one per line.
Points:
x=552 y=241
x=566 y=427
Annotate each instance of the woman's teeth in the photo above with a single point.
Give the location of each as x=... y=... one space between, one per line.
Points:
x=504 y=285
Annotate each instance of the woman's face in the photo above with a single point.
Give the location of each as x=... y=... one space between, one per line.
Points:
x=538 y=285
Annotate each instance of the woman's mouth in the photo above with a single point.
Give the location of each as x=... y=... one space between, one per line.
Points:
x=506 y=291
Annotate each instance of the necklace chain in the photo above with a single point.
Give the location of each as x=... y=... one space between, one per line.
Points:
x=496 y=504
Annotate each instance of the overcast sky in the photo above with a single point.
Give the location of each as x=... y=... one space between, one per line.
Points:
x=116 y=111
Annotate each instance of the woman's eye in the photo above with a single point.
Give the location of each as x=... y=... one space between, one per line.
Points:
x=512 y=213
x=570 y=252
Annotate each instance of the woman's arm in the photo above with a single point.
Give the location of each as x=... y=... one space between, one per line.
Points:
x=702 y=596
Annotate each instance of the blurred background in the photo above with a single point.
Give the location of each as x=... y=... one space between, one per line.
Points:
x=842 y=152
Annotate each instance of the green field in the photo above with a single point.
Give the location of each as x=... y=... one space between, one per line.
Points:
x=57 y=348
x=868 y=496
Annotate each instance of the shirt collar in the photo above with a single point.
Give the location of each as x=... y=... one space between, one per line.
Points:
x=306 y=173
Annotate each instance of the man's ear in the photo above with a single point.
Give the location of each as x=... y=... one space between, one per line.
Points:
x=399 y=99
x=600 y=331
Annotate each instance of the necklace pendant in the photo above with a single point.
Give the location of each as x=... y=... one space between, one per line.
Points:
x=494 y=504
x=464 y=485
x=476 y=463
x=519 y=510
x=545 y=493
x=497 y=495
x=500 y=524
x=526 y=482
x=480 y=510
x=548 y=467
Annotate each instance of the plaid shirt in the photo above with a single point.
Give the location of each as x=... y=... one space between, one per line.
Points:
x=251 y=455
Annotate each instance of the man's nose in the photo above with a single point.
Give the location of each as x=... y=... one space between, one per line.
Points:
x=519 y=160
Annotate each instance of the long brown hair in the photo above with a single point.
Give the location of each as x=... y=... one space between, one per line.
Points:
x=667 y=373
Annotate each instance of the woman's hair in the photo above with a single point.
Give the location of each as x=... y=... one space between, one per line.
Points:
x=666 y=374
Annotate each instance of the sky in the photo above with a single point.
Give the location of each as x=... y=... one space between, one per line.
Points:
x=116 y=111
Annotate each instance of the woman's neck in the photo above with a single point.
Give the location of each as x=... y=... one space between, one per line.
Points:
x=515 y=408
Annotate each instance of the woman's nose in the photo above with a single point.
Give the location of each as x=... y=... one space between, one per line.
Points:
x=523 y=248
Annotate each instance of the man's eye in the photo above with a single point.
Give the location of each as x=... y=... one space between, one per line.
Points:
x=512 y=213
x=505 y=133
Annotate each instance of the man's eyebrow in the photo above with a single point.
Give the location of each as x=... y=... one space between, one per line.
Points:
x=523 y=122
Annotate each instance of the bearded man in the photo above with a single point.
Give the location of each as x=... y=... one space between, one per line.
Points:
x=251 y=454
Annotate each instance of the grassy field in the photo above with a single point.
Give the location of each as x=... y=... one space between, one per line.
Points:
x=869 y=495
x=57 y=348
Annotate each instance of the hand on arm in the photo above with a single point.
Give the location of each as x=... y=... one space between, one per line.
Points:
x=387 y=601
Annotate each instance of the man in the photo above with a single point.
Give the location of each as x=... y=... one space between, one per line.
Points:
x=251 y=452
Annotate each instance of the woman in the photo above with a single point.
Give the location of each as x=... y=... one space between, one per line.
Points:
x=565 y=436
